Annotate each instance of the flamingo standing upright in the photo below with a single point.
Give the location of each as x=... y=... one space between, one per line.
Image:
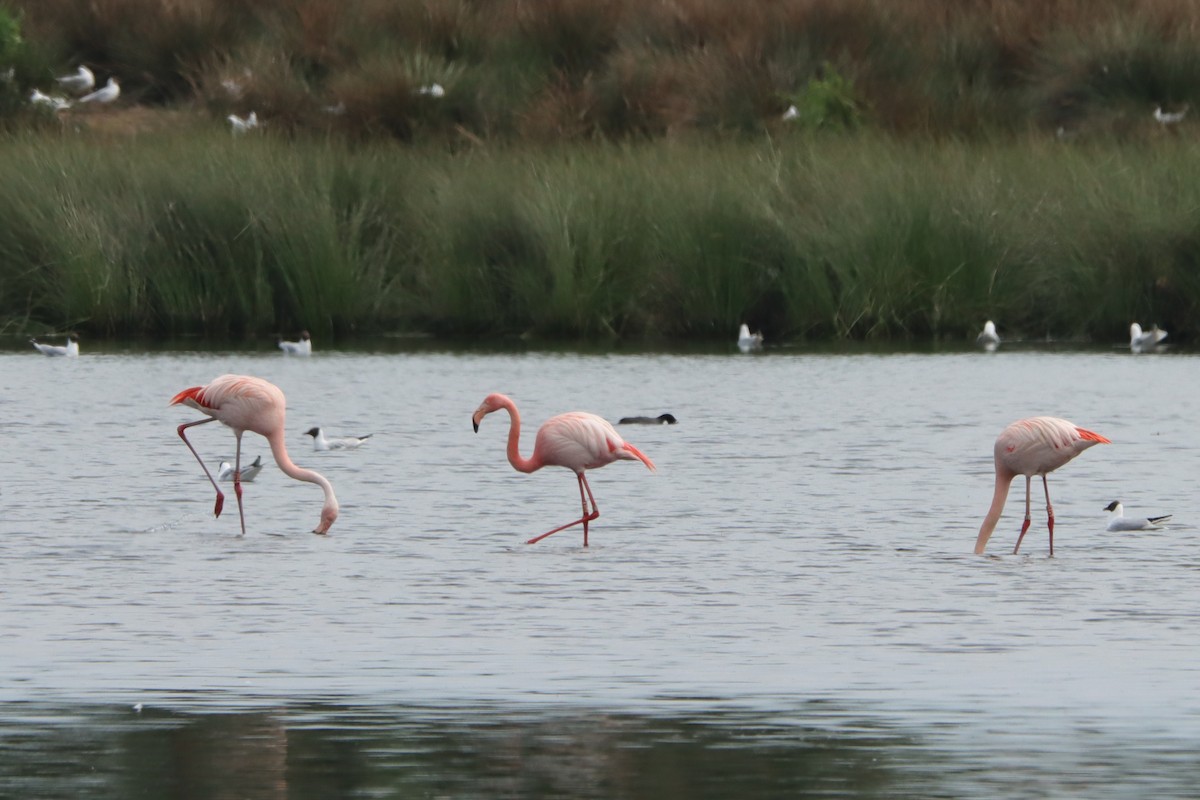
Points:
x=246 y=403
x=1029 y=447
x=576 y=440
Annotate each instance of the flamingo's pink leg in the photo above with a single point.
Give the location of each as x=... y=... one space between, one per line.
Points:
x=1025 y=525
x=220 y=495
x=1049 y=513
x=585 y=519
x=237 y=480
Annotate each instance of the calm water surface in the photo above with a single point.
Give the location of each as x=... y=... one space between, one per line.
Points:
x=789 y=606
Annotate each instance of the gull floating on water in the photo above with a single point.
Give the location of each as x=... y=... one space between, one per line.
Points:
x=661 y=419
x=70 y=350
x=108 y=93
x=338 y=443
x=1170 y=117
x=748 y=341
x=240 y=125
x=53 y=102
x=989 y=338
x=249 y=473
x=1118 y=522
x=300 y=348
x=82 y=81
x=1140 y=341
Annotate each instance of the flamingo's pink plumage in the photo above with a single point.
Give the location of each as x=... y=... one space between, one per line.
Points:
x=576 y=440
x=1029 y=447
x=245 y=403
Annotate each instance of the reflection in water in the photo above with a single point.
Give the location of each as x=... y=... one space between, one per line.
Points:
x=337 y=752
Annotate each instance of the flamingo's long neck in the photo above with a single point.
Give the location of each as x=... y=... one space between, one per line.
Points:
x=1004 y=479
x=520 y=463
x=279 y=451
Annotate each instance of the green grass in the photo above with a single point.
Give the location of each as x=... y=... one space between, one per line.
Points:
x=808 y=236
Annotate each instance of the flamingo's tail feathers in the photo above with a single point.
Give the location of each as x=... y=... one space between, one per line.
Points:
x=639 y=455
x=1087 y=435
x=193 y=394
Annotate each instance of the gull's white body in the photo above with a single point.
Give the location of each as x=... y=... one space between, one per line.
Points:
x=300 y=348
x=53 y=102
x=989 y=338
x=69 y=350
x=1141 y=341
x=82 y=81
x=240 y=125
x=1119 y=522
x=1170 y=117
x=225 y=471
x=320 y=442
x=106 y=94
x=748 y=341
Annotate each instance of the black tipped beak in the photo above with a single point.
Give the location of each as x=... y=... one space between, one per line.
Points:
x=475 y=425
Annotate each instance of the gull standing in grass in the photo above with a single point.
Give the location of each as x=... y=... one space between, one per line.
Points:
x=337 y=443
x=1170 y=117
x=434 y=90
x=82 y=81
x=225 y=471
x=748 y=341
x=1140 y=342
x=1118 y=521
x=70 y=349
x=300 y=348
x=989 y=338
x=106 y=94
x=53 y=102
x=239 y=125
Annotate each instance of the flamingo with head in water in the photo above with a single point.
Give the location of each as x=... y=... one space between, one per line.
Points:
x=1029 y=447
x=577 y=440
x=245 y=404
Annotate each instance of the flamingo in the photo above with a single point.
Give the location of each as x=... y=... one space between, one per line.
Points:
x=1118 y=521
x=300 y=348
x=70 y=349
x=246 y=403
x=989 y=338
x=1029 y=447
x=576 y=440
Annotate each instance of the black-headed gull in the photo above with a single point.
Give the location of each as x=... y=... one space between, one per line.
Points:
x=241 y=125
x=300 y=348
x=1140 y=341
x=106 y=94
x=249 y=473
x=70 y=350
x=748 y=341
x=338 y=443
x=53 y=102
x=1170 y=117
x=82 y=81
x=661 y=419
x=1118 y=522
x=989 y=338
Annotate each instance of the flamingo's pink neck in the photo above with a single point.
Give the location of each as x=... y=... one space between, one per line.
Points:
x=329 y=511
x=520 y=464
x=1004 y=479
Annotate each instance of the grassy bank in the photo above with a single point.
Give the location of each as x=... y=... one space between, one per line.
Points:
x=854 y=237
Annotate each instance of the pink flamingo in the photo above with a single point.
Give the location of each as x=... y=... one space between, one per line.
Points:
x=250 y=404
x=1029 y=447
x=577 y=440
